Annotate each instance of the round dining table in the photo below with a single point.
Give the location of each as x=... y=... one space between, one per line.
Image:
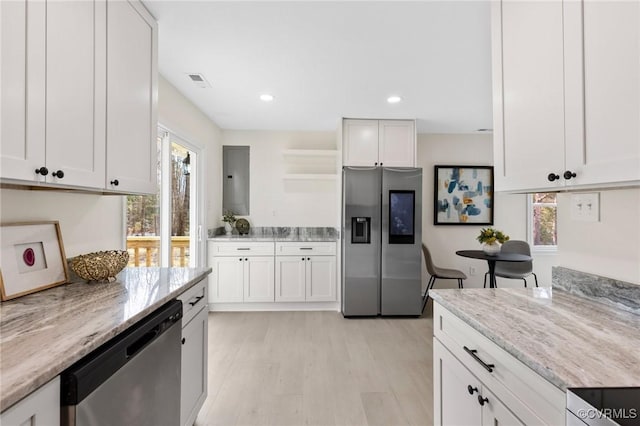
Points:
x=492 y=259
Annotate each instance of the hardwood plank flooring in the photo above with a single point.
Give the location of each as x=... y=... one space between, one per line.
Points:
x=318 y=368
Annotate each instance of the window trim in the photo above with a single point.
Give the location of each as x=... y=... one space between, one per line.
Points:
x=536 y=248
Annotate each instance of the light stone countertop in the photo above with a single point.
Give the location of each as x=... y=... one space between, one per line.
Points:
x=569 y=340
x=44 y=333
x=279 y=234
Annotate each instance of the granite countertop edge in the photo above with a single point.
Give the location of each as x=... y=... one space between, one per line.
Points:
x=35 y=380
x=546 y=373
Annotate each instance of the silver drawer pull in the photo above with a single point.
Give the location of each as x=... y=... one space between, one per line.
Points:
x=243 y=248
x=306 y=248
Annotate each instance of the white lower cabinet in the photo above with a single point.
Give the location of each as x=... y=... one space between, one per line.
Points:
x=461 y=398
x=478 y=383
x=195 y=326
x=309 y=276
x=41 y=408
x=266 y=272
x=242 y=272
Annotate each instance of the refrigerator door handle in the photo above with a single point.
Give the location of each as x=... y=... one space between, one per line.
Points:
x=360 y=168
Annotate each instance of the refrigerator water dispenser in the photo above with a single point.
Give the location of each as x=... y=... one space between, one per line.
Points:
x=360 y=230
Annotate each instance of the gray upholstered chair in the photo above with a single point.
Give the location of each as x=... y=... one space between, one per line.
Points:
x=436 y=272
x=515 y=270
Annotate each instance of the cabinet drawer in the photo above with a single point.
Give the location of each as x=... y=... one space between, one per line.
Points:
x=314 y=248
x=241 y=249
x=531 y=397
x=193 y=300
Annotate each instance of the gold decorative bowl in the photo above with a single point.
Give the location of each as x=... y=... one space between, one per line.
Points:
x=101 y=265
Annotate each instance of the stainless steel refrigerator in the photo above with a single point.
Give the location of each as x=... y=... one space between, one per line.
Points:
x=381 y=241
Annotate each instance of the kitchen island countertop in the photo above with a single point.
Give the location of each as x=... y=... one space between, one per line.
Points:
x=569 y=340
x=44 y=333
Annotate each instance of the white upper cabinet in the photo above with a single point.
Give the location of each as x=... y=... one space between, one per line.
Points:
x=566 y=94
x=53 y=92
x=57 y=58
x=602 y=86
x=22 y=151
x=379 y=143
x=528 y=95
x=132 y=83
x=397 y=143
x=76 y=92
x=360 y=142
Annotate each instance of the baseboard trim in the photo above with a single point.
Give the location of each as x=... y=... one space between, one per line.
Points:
x=274 y=307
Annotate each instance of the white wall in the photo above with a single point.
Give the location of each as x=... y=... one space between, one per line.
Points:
x=183 y=118
x=88 y=222
x=510 y=214
x=609 y=248
x=276 y=201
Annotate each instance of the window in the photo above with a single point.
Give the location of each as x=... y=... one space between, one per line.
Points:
x=543 y=234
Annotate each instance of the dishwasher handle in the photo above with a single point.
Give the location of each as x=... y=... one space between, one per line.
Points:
x=146 y=338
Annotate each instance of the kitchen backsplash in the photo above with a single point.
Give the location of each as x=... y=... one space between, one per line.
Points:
x=613 y=292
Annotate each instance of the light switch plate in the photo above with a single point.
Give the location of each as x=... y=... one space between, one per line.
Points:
x=585 y=207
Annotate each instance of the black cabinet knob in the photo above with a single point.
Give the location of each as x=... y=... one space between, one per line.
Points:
x=42 y=171
x=482 y=400
x=552 y=177
x=308 y=258
x=471 y=389
x=240 y=259
x=303 y=258
x=375 y=164
x=59 y=174
x=569 y=174
x=381 y=164
x=183 y=340
x=246 y=259
x=115 y=182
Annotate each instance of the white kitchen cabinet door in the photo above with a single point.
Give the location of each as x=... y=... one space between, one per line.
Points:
x=602 y=82
x=397 y=143
x=259 y=279
x=131 y=120
x=194 y=367
x=495 y=413
x=321 y=279
x=290 y=279
x=453 y=404
x=528 y=94
x=76 y=92
x=226 y=280
x=40 y=408
x=360 y=142
x=22 y=133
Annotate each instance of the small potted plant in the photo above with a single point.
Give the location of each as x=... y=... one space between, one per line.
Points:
x=229 y=219
x=491 y=240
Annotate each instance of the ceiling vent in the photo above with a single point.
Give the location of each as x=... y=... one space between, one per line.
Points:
x=199 y=80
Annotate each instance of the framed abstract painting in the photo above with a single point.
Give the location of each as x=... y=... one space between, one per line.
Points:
x=463 y=195
x=32 y=258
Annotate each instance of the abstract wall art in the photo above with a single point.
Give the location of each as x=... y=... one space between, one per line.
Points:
x=463 y=195
x=32 y=258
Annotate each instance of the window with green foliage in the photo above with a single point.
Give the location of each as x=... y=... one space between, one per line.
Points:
x=543 y=233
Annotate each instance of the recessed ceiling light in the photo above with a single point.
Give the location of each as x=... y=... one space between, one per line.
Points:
x=266 y=97
x=394 y=99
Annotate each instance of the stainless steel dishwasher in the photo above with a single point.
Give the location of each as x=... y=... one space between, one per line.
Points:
x=134 y=379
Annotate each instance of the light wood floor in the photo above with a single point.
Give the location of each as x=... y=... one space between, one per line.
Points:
x=317 y=368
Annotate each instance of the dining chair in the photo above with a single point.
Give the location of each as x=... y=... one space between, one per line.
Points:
x=436 y=272
x=515 y=270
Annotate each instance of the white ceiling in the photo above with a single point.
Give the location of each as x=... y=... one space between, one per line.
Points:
x=325 y=60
